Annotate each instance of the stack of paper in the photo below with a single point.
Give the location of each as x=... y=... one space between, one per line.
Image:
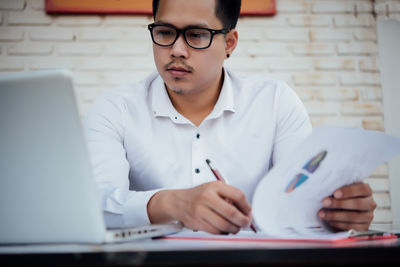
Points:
x=288 y=198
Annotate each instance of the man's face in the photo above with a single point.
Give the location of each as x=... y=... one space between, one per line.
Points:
x=186 y=70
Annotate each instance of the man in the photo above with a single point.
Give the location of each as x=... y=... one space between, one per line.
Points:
x=149 y=140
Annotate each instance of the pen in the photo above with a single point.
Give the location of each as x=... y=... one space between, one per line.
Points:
x=220 y=178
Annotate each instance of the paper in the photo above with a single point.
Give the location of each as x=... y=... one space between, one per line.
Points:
x=287 y=199
x=250 y=236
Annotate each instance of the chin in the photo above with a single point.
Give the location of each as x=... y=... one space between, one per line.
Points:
x=177 y=90
x=176 y=87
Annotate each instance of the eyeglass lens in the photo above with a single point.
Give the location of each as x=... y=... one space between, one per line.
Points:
x=197 y=38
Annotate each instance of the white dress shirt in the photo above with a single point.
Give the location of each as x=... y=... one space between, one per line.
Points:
x=139 y=144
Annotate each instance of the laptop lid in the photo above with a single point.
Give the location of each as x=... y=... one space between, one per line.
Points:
x=47 y=193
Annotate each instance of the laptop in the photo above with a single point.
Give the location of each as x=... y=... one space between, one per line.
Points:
x=47 y=190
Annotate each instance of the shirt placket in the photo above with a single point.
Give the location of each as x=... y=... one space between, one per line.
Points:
x=198 y=166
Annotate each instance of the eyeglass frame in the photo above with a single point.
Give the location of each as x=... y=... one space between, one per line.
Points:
x=182 y=32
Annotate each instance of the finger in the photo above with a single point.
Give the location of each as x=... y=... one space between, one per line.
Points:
x=346 y=216
x=236 y=196
x=204 y=225
x=226 y=209
x=232 y=214
x=208 y=199
x=347 y=226
x=212 y=222
x=220 y=223
x=356 y=204
x=199 y=222
x=353 y=190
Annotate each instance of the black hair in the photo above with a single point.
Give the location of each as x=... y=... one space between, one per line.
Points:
x=227 y=11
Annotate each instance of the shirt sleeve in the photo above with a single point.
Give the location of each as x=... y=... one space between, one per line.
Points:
x=292 y=124
x=104 y=130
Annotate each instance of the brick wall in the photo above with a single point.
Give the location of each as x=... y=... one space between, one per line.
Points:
x=325 y=49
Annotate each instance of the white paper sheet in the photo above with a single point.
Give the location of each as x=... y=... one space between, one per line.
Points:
x=250 y=236
x=287 y=199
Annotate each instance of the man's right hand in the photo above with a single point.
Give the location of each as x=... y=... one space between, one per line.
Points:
x=214 y=207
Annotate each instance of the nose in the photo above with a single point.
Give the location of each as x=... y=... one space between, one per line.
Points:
x=180 y=48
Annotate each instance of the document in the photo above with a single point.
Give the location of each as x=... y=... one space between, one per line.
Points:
x=248 y=236
x=287 y=199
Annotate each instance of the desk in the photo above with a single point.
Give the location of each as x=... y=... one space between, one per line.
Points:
x=162 y=252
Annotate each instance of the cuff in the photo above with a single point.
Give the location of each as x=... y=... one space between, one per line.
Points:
x=135 y=208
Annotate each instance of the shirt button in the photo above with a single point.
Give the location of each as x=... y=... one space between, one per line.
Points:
x=198 y=136
x=197 y=170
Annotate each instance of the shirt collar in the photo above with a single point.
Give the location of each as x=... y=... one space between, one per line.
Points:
x=162 y=106
x=161 y=103
x=226 y=100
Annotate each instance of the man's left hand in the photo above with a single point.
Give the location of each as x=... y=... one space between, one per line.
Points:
x=350 y=207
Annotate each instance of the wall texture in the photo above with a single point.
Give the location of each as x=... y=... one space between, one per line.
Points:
x=325 y=49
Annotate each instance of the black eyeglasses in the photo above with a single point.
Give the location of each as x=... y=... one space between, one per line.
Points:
x=195 y=37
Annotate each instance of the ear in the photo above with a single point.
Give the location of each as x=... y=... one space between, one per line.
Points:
x=231 y=40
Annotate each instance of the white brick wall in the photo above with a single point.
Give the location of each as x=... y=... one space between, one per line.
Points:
x=325 y=49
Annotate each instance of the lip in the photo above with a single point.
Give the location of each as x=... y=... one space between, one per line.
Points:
x=178 y=71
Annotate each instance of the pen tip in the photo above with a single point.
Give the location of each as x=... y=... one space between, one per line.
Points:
x=208 y=161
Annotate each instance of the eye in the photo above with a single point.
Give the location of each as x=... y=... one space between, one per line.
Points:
x=197 y=34
x=165 y=32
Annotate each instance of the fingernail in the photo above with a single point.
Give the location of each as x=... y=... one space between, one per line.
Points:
x=338 y=194
x=326 y=202
x=321 y=214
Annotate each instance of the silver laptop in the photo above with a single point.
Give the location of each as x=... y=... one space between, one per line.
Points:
x=47 y=191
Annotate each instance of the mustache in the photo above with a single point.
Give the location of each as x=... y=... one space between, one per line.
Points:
x=180 y=62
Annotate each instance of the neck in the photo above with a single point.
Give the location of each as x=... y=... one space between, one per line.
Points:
x=196 y=106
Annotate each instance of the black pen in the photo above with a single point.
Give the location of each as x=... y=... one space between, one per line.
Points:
x=219 y=177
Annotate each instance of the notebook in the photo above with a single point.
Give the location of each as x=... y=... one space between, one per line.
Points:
x=47 y=191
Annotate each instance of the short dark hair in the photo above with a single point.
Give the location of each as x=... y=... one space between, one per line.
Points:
x=227 y=11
